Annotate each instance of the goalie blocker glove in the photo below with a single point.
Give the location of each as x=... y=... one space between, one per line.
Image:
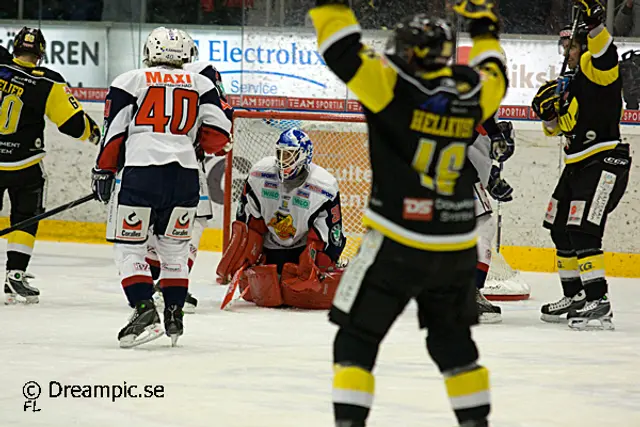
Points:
x=102 y=182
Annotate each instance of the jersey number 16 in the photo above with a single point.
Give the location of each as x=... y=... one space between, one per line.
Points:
x=152 y=111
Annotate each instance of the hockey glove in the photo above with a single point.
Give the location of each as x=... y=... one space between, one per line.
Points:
x=482 y=15
x=503 y=144
x=499 y=189
x=95 y=135
x=102 y=183
x=594 y=12
x=543 y=102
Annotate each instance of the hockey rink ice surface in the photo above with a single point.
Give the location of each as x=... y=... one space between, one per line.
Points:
x=265 y=367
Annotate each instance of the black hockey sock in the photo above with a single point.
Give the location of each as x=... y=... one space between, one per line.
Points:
x=569 y=273
x=17 y=261
x=155 y=271
x=173 y=294
x=137 y=291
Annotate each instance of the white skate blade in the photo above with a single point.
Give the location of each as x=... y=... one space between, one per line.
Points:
x=174 y=340
x=189 y=308
x=150 y=333
x=490 y=318
x=592 y=324
x=12 y=299
x=553 y=318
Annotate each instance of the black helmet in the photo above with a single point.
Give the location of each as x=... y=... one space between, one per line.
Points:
x=581 y=37
x=422 y=42
x=29 y=40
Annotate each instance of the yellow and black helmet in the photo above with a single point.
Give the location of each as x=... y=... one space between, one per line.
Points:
x=423 y=42
x=30 y=40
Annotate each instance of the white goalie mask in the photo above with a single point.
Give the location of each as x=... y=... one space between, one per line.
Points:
x=164 y=46
x=294 y=152
x=191 y=52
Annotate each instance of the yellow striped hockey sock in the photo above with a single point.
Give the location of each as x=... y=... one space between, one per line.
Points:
x=469 y=392
x=353 y=389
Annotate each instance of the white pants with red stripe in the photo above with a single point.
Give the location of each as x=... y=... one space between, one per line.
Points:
x=198 y=228
x=486 y=230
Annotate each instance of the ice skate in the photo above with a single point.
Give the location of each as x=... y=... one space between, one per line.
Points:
x=595 y=315
x=553 y=311
x=173 y=325
x=17 y=288
x=487 y=312
x=190 y=304
x=144 y=326
x=480 y=423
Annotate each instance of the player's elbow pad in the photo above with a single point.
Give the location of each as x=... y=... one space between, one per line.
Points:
x=214 y=140
x=75 y=127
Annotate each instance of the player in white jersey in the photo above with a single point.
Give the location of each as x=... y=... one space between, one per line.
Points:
x=153 y=117
x=289 y=221
x=204 y=212
x=495 y=141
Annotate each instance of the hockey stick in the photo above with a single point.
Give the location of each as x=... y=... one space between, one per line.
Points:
x=499 y=220
x=231 y=290
x=28 y=222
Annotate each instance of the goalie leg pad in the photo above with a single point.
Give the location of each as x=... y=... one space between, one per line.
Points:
x=486 y=231
x=313 y=293
x=264 y=285
x=245 y=247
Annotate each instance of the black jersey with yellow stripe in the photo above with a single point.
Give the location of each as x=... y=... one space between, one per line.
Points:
x=420 y=126
x=591 y=109
x=28 y=94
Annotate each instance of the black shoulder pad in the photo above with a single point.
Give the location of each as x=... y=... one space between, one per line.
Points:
x=48 y=73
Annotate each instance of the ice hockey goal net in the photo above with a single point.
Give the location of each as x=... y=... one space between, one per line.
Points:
x=340 y=146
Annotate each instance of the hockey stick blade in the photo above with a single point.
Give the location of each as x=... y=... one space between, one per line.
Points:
x=231 y=290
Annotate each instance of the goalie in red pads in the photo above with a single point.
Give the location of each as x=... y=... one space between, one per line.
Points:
x=288 y=230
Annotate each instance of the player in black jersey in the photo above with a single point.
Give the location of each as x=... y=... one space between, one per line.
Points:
x=28 y=94
x=421 y=241
x=584 y=106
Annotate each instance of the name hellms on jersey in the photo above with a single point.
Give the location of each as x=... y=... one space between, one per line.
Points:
x=419 y=128
x=28 y=93
x=291 y=214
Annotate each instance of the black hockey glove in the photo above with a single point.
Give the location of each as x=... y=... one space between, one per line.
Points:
x=543 y=103
x=96 y=134
x=593 y=10
x=102 y=183
x=499 y=189
x=503 y=144
x=482 y=15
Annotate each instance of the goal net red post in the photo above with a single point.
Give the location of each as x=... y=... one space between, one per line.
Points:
x=340 y=144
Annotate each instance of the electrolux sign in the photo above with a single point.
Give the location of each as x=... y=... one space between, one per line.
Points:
x=270 y=64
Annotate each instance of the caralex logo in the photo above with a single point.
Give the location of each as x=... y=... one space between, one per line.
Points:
x=292 y=55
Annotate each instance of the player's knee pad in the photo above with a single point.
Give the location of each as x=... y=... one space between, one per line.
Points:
x=561 y=240
x=173 y=256
x=264 y=285
x=451 y=348
x=350 y=348
x=584 y=241
x=130 y=260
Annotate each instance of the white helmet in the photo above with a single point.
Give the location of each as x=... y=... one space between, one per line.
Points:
x=164 y=46
x=191 y=52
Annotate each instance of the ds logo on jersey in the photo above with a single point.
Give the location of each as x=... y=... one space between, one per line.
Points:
x=417 y=209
